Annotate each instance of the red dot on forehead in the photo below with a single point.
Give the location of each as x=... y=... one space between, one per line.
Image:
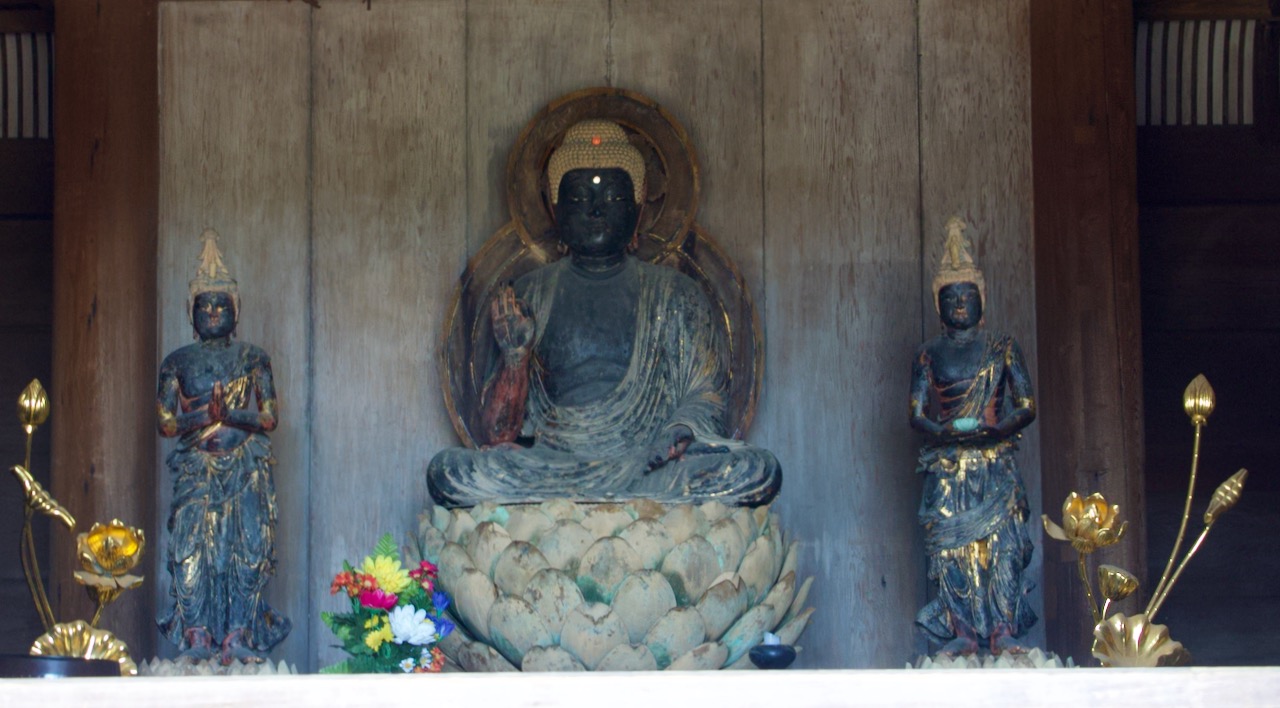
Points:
x=595 y=140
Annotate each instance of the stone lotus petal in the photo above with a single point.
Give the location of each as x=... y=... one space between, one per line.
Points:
x=747 y=632
x=529 y=523
x=726 y=538
x=553 y=595
x=564 y=545
x=650 y=541
x=515 y=628
x=674 y=576
x=516 y=564
x=603 y=568
x=722 y=604
x=606 y=520
x=674 y=634
x=550 y=659
x=488 y=542
x=473 y=597
x=1136 y=642
x=704 y=657
x=690 y=567
x=592 y=631
x=642 y=599
x=625 y=657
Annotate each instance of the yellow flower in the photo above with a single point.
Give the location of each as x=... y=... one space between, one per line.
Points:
x=374 y=621
x=1089 y=524
x=374 y=639
x=387 y=572
x=113 y=549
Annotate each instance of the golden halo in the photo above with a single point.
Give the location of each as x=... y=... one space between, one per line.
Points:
x=672 y=179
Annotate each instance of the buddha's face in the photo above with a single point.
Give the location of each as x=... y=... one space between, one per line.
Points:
x=960 y=305
x=596 y=212
x=213 y=315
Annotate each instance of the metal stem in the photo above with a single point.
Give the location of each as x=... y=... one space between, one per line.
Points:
x=1161 y=588
x=31 y=569
x=1088 y=590
x=1158 y=600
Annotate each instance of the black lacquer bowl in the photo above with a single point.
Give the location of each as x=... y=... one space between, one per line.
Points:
x=772 y=656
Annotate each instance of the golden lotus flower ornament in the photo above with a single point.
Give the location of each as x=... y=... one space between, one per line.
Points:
x=1136 y=642
x=39 y=499
x=33 y=406
x=80 y=640
x=107 y=553
x=1087 y=523
x=1198 y=400
x=1115 y=583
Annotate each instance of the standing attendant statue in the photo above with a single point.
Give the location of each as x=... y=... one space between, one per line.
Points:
x=611 y=378
x=218 y=399
x=971 y=395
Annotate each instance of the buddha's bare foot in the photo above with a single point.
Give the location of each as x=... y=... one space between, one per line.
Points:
x=197 y=644
x=235 y=649
x=962 y=645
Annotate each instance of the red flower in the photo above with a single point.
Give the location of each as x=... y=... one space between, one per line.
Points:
x=341 y=581
x=378 y=599
x=426 y=568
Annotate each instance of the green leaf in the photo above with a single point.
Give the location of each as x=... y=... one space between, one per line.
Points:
x=386 y=547
x=342 y=667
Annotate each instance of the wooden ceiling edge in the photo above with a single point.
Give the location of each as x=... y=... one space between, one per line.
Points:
x=1206 y=9
x=26 y=16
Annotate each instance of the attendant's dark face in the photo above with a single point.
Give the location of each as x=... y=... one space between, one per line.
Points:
x=596 y=214
x=960 y=305
x=213 y=315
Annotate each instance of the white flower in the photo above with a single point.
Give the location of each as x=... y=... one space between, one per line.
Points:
x=409 y=624
x=407 y=666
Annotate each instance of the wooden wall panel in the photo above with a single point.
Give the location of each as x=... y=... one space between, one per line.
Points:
x=234 y=101
x=519 y=57
x=975 y=162
x=1087 y=318
x=389 y=233
x=703 y=62
x=102 y=390
x=842 y=313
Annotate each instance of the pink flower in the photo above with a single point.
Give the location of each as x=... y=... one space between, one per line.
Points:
x=378 y=599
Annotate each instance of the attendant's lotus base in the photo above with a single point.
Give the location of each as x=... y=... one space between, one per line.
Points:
x=560 y=586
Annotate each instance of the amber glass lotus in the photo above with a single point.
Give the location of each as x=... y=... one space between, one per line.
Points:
x=1090 y=523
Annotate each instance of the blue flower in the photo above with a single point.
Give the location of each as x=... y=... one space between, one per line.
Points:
x=440 y=601
x=444 y=627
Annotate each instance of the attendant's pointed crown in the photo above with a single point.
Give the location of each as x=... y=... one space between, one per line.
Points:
x=212 y=275
x=957 y=264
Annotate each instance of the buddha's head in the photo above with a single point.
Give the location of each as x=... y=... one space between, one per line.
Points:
x=597 y=187
x=960 y=305
x=213 y=297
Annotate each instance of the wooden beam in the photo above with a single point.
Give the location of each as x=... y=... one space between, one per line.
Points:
x=104 y=339
x=1087 y=298
x=1205 y=9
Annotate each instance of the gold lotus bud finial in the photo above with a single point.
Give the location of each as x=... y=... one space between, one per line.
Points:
x=1116 y=583
x=33 y=406
x=1225 y=496
x=1198 y=400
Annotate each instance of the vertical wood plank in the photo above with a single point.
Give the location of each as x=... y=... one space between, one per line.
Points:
x=975 y=162
x=389 y=237
x=234 y=102
x=1087 y=296
x=519 y=57
x=703 y=62
x=104 y=337
x=842 y=276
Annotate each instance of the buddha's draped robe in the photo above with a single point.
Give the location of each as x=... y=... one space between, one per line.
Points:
x=974 y=512
x=599 y=451
x=221 y=549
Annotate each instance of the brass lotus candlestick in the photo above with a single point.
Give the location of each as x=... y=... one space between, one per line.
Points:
x=107 y=554
x=1090 y=523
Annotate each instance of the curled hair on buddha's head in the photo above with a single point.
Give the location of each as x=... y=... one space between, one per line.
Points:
x=957 y=264
x=212 y=276
x=598 y=144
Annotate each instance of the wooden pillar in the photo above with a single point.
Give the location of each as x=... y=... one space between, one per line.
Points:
x=104 y=338
x=1087 y=298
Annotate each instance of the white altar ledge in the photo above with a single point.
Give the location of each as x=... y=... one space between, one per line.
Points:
x=1078 y=688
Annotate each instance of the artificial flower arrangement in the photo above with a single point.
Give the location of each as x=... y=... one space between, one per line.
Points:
x=396 y=617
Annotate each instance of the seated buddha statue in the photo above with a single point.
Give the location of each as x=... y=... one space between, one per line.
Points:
x=610 y=377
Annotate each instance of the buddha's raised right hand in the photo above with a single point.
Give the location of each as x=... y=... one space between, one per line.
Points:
x=512 y=323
